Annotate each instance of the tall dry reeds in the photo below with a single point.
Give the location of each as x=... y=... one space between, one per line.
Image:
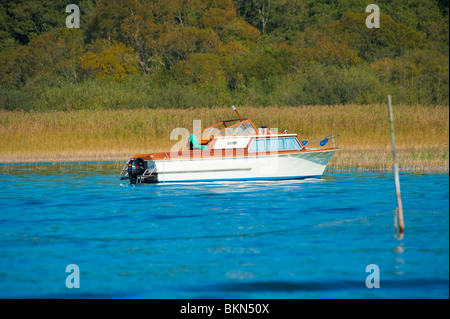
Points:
x=422 y=133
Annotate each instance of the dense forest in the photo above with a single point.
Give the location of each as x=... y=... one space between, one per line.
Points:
x=204 y=53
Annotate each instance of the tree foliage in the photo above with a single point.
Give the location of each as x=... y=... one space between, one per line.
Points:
x=108 y=59
x=230 y=51
x=52 y=57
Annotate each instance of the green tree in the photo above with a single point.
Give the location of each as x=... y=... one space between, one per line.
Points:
x=27 y=19
x=422 y=76
x=391 y=40
x=51 y=57
x=108 y=59
x=331 y=52
x=165 y=32
x=202 y=69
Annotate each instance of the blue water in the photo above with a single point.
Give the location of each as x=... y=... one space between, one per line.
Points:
x=309 y=238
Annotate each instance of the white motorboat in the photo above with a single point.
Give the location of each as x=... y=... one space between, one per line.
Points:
x=234 y=150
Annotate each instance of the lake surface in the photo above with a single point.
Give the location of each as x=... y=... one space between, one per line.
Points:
x=294 y=239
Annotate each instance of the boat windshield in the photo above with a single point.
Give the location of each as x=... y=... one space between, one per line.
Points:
x=241 y=128
x=231 y=127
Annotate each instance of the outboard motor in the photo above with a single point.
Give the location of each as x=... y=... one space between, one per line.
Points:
x=135 y=168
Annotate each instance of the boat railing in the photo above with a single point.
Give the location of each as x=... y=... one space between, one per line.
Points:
x=140 y=178
x=322 y=143
x=147 y=174
x=124 y=172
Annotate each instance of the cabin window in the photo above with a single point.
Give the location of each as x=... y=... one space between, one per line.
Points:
x=274 y=144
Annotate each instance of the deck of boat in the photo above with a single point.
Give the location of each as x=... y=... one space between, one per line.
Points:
x=212 y=153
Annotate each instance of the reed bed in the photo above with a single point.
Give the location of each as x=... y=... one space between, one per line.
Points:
x=422 y=133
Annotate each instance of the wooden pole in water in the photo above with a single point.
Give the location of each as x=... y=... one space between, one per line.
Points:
x=399 y=211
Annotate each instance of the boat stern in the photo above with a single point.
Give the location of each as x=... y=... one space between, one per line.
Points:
x=138 y=171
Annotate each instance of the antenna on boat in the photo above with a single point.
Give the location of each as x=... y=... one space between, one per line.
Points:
x=234 y=108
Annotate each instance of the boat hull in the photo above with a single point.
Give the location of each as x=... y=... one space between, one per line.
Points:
x=261 y=167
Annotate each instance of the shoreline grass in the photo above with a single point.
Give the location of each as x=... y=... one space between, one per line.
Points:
x=422 y=133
